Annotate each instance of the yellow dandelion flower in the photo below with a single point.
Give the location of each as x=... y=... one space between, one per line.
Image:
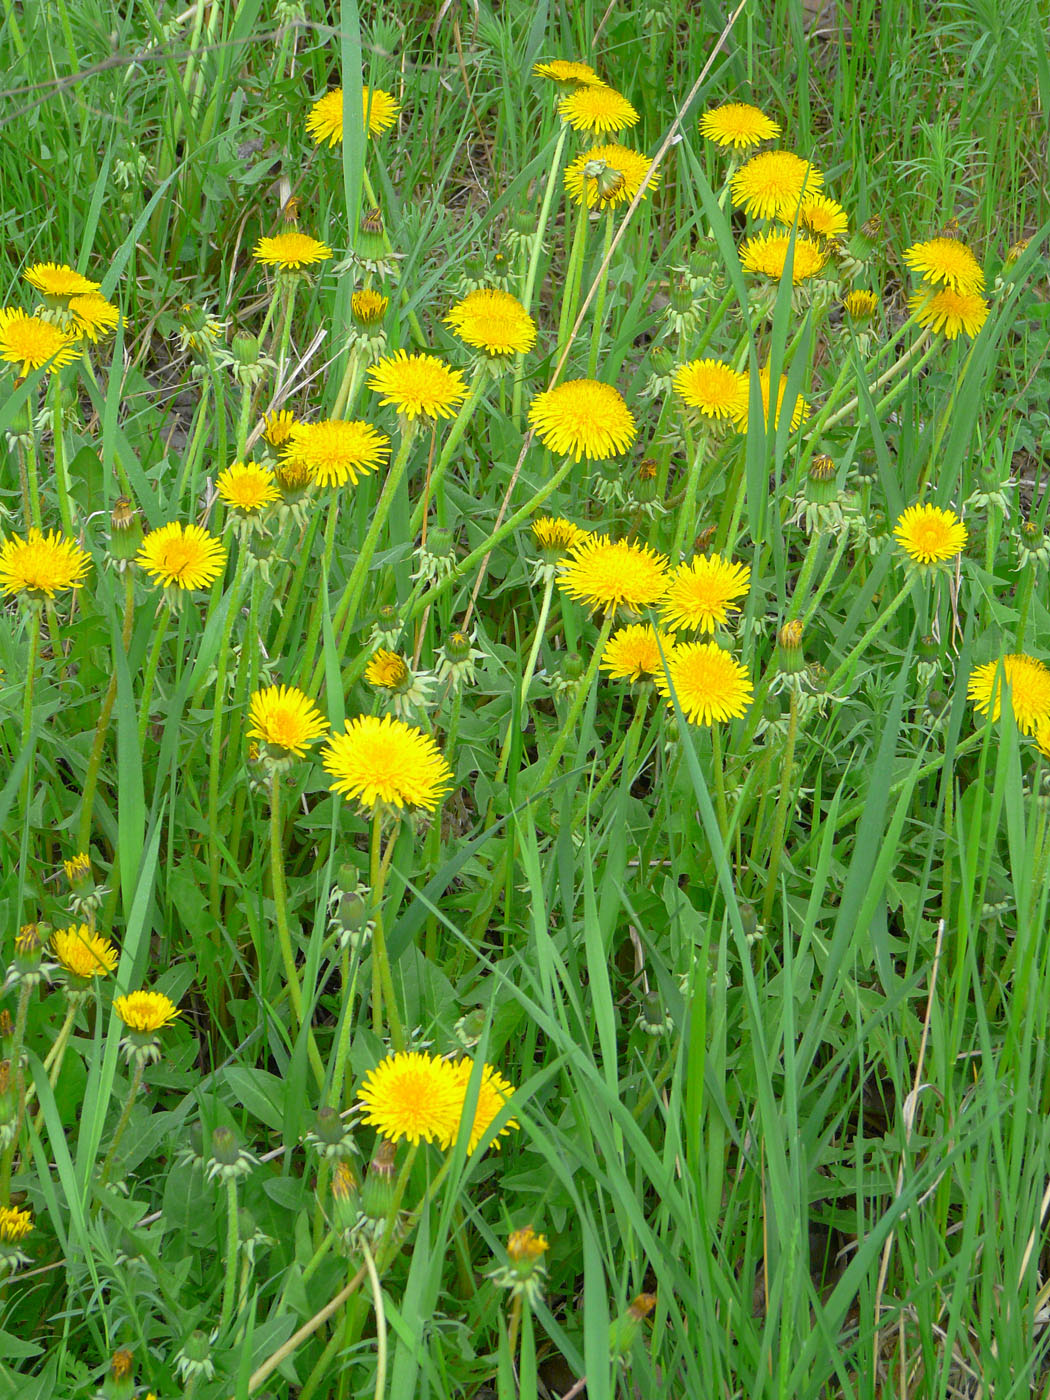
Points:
x=588 y=176
x=597 y=109
x=41 y=565
x=336 y=451
x=568 y=71
x=800 y=409
x=946 y=262
x=83 y=952
x=93 y=315
x=860 y=305
x=1042 y=737
x=32 y=343
x=386 y=669
x=1028 y=681
x=290 y=251
x=767 y=254
x=278 y=427
x=823 y=216
x=59 y=280
x=737 y=124
x=493 y=1093
x=771 y=185
x=414 y=1096
x=949 y=312
x=701 y=594
x=418 y=386
x=325 y=122
x=712 y=686
x=385 y=760
x=145 y=1012
x=286 y=719
x=636 y=653
x=182 y=556
x=583 y=418
x=77 y=868
x=930 y=535
x=604 y=574
x=555 y=535
x=493 y=321
x=247 y=488
x=714 y=389
x=15 y=1224
x=368 y=307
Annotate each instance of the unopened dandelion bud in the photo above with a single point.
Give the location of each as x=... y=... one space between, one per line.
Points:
x=193 y=1360
x=789 y=648
x=345 y=1203
x=573 y=667
x=245 y=350
x=474 y=268
x=929 y=654
x=749 y=921
x=330 y=1136
x=125 y=532
x=370 y=234
x=624 y=1330
x=437 y=558
x=1033 y=546
x=27 y=967
x=821 y=478
x=1015 y=251
x=860 y=306
x=20 y=431
x=456 y=663
x=521 y=230
x=653 y=1019
x=368 y=308
x=863 y=242
x=247 y=363
x=352 y=918
x=524 y=1272
x=228 y=1160
x=387 y=627
x=469 y=1027
x=377 y=1195
x=681 y=297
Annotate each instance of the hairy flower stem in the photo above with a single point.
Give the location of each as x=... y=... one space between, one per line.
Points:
x=87 y=801
x=845 y=670
x=65 y=506
x=776 y=846
x=686 y=517
x=534 y=262
x=624 y=756
x=568 y=728
x=530 y=667
x=286 y=326
x=162 y=621
x=598 y=324
x=382 y=982
x=346 y=395
x=27 y=706
x=290 y=606
x=232 y=1244
x=313 y=630
x=573 y=283
x=284 y=938
x=1027 y=585
x=21 y=1015
x=28 y=457
x=136 y=1085
x=215 y=741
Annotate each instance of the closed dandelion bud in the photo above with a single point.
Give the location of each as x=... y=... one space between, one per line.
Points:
x=624 y=1330
x=20 y=432
x=573 y=666
x=653 y=1020
x=661 y=374
x=377 y=1195
x=245 y=350
x=193 y=1151
x=525 y=1271
x=228 y=1160
x=27 y=967
x=681 y=298
x=472 y=275
x=193 y=1361
x=437 y=558
x=749 y=922
x=1033 y=546
x=246 y=362
x=387 y=627
x=468 y=1028
x=352 y=917
x=789 y=648
x=521 y=230
x=8 y=1106
x=456 y=660
x=820 y=483
x=120 y=1382
x=345 y=1201
x=863 y=242
x=500 y=270
x=928 y=663
x=330 y=1136
x=1015 y=251
x=125 y=532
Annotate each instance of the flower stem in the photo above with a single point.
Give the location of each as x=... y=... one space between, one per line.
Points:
x=284 y=938
x=27 y=705
x=232 y=1244
x=151 y=672
x=530 y=667
x=845 y=670
x=286 y=326
x=215 y=743
x=65 y=508
x=21 y=1016
x=455 y=436
x=87 y=801
x=573 y=281
x=776 y=846
x=599 y=305
x=382 y=982
x=582 y=691
x=33 y=483
x=534 y=262
x=687 y=510
x=136 y=1084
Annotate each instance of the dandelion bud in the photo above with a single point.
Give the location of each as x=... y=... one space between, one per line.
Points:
x=474 y=268
x=120 y=1383
x=863 y=242
x=20 y=433
x=85 y=895
x=1015 y=251
x=345 y=1202
x=368 y=307
x=245 y=350
x=369 y=244
x=749 y=921
x=469 y=1027
x=789 y=648
x=377 y=1196
x=653 y=1019
x=247 y=363
x=456 y=661
x=860 y=306
x=623 y=1330
x=437 y=558
x=1033 y=546
x=521 y=230
x=330 y=1136
x=681 y=298
x=27 y=967
x=193 y=1361
x=228 y=1160
x=525 y=1271
x=15 y=1224
x=351 y=915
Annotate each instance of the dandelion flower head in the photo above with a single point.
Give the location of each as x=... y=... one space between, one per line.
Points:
x=568 y=71
x=247 y=487
x=182 y=556
x=712 y=686
x=701 y=594
x=31 y=343
x=145 y=1012
x=493 y=321
x=823 y=216
x=336 y=451
x=712 y=388
x=946 y=262
x=93 y=315
x=586 y=177
x=414 y=1096
x=597 y=109
x=15 y=1224
x=583 y=418
x=386 y=669
x=286 y=719
x=555 y=535
x=418 y=386
x=386 y=760
x=290 y=251
x=636 y=653
x=83 y=952
x=930 y=535
x=860 y=305
x=325 y=122
x=800 y=409
x=493 y=1093
x=767 y=254
x=949 y=312
x=1029 y=684
x=771 y=185
x=606 y=574
x=368 y=306
x=59 y=280
x=737 y=124
x=41 y=565
x=277 y=427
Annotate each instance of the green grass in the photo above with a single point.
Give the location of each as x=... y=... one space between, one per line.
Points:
x=771 y=995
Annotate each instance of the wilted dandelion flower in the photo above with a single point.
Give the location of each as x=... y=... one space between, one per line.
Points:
x=737 y=124
x=247 y=488
x=93 y=316
x=493 y=1093
x=59 y=280
x=182 y=556
x=597 y=109
x=285 y=719
x=767 y=254
x=800 y=409
x=564 y=70
x=586 y=177
x=949 y=312
x=712 y=388
x=633 y=653
x=583 y=418
x=83 y=953
x=325 y=122
x=290 y=251
x=860 y=305
x=335 y=451
x=41 y=565
x=1029 y=683
x=823 y=216
x=947 y=262
x=701 y=594
x=930 y=535
x=770 y=185
x=493 y=321
x=414 y=1096
x=31 y=342
x=418 y=386
x=606 y=574
x=712 y=686
x=385 y=760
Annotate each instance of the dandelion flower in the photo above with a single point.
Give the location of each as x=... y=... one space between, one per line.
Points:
x=414 y=1096
x=701 y=594
x=385 y=760
x=41 y=565
x=583 y=418
x=770 y=185
x=1042 y=737
x=1029 y=683
x=182 y=556
x=597 y=109
x=93 y=315
x=325 y=122
x=636 y=653
x=946 y=262
x=587 y=177
x=712 y=686
x=860 y=305
x=282 y=717
x=949 y=312
x=930 y=535
x=277 y=427
x=386 y=669
x=714 y=389
x=554 y=535
x=59 y=280
x=31 y=343
x=493 y=1093
x=335 y=451
x=83 y=952
x=15 y=1224
x=418 y=386
x=368 y=306
x=737 y=124
x=605 y=574
x=767 y=254
x=800 y=409
x=493 y=321
x=823 y=216
x=145 y=1012
x=568 y=71
x=290 y=251
x=247 y=488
